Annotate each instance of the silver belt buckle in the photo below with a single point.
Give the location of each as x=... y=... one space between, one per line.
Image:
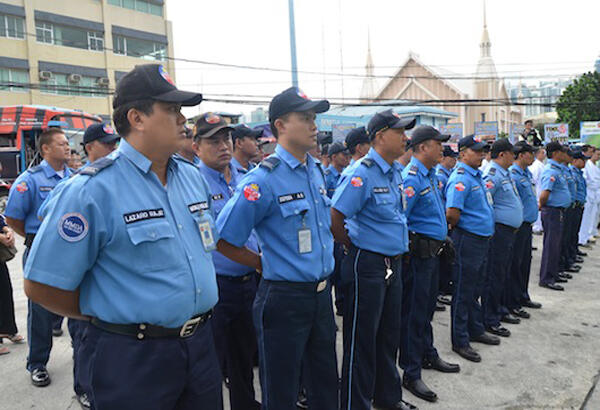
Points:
x=322 y=285
x=189 y=327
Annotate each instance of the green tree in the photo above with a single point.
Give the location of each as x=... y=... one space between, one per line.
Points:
x=580 y=102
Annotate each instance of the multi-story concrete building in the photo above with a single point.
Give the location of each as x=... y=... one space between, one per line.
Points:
x=70 y=54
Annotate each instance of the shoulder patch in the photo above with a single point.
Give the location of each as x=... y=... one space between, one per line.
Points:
x=413 y=170
x=95 y=167
x=270 y=163
x=367 y=162
x=460 y=170
x=492 y=171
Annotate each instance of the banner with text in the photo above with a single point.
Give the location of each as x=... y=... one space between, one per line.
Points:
x=487 y=130
x=556 y=132
x=589 y=132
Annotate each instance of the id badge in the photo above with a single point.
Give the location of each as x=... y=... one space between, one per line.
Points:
x=489 y=198
x=208 y=240
x=304 y=240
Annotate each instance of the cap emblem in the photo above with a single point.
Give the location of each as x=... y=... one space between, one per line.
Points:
x=211 y=118
x=108 y=129
x=163 y=73
x=301 y=94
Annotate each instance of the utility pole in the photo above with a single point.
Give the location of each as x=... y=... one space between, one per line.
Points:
x=293 y=44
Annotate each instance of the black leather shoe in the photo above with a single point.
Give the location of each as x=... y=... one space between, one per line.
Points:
x=40 y=377
x=565 y=276
x=579 y=253
x=468 y=353
x=578 y=259
x=510 y=319
x=520 y=313
x=440 y=365
x=573 y=269
x=439 y=307
x=552 y=286
x=401 y=405
x=486 y=339
x=531 y=304
x=498 y=330
x=561 y=280
x=420 y=389
x=446 y=300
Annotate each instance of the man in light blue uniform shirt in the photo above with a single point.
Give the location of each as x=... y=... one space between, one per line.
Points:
x=428 y=229
x=517 y=293
x=187 y=150
x=576 y=167
x=235 y=337
x=554 y=199
x=127 y=246
x=25 y=198
x=358 y=143
x=445 y=167
x=369 y=203
x=508 y=217
x=470 y=214
x=285 y=202
x=567 y=261
x=245 y=147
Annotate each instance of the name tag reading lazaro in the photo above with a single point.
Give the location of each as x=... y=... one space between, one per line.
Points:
x=143 y=215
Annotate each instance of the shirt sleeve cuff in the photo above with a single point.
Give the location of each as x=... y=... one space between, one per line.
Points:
x=50 y=279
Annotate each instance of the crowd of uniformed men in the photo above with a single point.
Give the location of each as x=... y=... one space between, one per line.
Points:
x=179 y=260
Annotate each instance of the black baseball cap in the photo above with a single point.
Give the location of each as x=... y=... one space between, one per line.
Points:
x=523 y=146
x=473 y=142
x=578 y=154
x=152 y=82
x=324 y=138
x=426 y=132
x=336 y=148
x=294 y=100
x=389 y=119
x=555 y=146
x=243 y=131
x=208 y=124
x=357 y=136
x=501 y=145
x=102 y=132
x=449 y=152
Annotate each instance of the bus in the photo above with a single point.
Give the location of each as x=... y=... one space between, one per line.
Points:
x=20 y=127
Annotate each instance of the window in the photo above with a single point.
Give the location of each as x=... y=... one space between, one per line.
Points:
x=11 y=26
x=482 y=117
x=87 y=86
x=144 y=6
x=13 y=76
x=69 y=36
x=134 y=47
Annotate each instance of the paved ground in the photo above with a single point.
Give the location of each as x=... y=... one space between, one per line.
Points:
x=552 y=361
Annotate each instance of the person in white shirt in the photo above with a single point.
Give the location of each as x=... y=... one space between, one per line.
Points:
x=591 y=173
x=536 y=171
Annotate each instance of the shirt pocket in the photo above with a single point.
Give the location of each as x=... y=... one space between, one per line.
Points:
x=295 y=216
x=154 y=245
x=387 y=206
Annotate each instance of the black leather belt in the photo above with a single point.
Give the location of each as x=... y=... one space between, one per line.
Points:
x=473 y=235
x=394 y=257
x=29 y=237
x=143 y=330
x=507 y=227
x=317 y=286
x=238 y=279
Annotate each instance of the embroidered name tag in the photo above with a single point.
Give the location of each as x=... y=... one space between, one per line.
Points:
x=381 y=190
x=283 y=199
x=46 y=188
x=144 y=215
x=198 y=206
x=217 y=197
x=425 y=191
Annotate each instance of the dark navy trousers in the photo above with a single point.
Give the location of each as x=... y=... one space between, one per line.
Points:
x=516 y=291
x=419 y=298
x=552 y=221
x=574 y=240
x=122 y=372
x=371 y=331
x=235 y=339
x=468 y=277
x=336 y=276
x=294 y=322
x=499 y=261
x=569 y=217
x=75 y=329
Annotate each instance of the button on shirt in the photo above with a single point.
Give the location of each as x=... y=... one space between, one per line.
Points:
x=371 y=199
x=508 y=209
x=278 y=204
x=332 y=177
x=554 y=180
x=29 y=191
x=571 y=183
x=581 y=192
x=221 y=191
x=425 y=209
x=523 y=180
x=130 y=244
x=465 y=191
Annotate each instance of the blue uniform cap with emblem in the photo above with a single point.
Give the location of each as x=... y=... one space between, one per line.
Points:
x=449 y=152
x=426 y=132
x=102 y=132
x=389 y=119
x=243 y=131
x=294 y=100
x=208 y=124
x=152 y=82
x=501 y=145
x=472 y=142
x=357 y=136
x=336 y=148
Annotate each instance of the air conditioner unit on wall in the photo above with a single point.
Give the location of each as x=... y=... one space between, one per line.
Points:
x=45 y=75
x=103 y=81
x=74 y=78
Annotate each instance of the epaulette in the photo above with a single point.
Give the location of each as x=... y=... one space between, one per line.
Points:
x=270 y=163
x=95 y=167
x=413 y=170
x=35 y=169
x=492 y=171
x=367 y=162
x=514 y=171
x=460 y=171
x=554 y=166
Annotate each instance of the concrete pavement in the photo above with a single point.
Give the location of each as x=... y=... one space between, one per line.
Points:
x=551 y=361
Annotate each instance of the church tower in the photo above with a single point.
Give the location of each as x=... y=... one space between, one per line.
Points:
x=369 y=86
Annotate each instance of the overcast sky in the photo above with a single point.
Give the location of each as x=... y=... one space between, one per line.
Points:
x=529 y=37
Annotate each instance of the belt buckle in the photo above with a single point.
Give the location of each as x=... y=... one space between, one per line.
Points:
x=189 y=327
x=322 y=285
